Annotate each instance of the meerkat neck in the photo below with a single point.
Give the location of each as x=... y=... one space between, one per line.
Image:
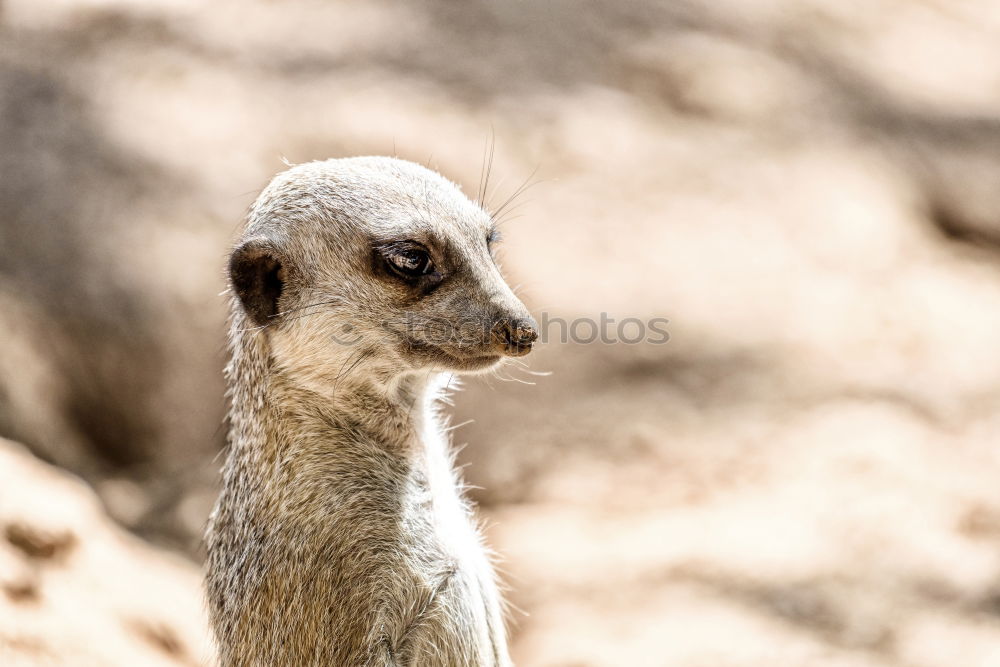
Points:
x=347 y=504
x=395 y=413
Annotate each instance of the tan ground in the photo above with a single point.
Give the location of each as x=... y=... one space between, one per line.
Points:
x=808 y=473
x=77 y=589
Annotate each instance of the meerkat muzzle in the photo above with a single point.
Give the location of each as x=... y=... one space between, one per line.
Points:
x=516 y=336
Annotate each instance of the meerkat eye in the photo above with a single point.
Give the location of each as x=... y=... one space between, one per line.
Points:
x=408 y=261
x=493 y=236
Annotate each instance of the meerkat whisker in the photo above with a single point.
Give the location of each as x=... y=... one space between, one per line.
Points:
x=524 y=187
x=484 y=176
x=336 y=300
x=451 y=428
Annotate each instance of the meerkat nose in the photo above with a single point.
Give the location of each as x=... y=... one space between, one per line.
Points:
x=517 y=335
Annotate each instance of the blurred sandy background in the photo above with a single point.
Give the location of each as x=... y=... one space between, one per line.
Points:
x=807 y=474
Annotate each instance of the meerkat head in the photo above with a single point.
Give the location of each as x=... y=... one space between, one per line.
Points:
x=374 y=261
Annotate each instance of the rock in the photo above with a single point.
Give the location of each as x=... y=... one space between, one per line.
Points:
x=75 y=589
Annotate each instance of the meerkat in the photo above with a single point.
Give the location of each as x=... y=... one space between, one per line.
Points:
x=341 y=535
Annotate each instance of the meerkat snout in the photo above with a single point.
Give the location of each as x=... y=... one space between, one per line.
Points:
x=516 y=336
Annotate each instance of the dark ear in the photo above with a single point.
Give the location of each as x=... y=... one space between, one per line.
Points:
x=257 y=274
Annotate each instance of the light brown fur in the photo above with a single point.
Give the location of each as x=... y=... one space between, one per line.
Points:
x=341 y=536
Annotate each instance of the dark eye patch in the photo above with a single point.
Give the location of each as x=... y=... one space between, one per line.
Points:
x=493 y=237
x=408 y=261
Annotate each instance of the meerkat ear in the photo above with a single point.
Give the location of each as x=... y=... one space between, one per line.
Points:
x=257 y=274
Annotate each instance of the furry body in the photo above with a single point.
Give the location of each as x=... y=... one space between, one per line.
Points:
x=341 y=536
